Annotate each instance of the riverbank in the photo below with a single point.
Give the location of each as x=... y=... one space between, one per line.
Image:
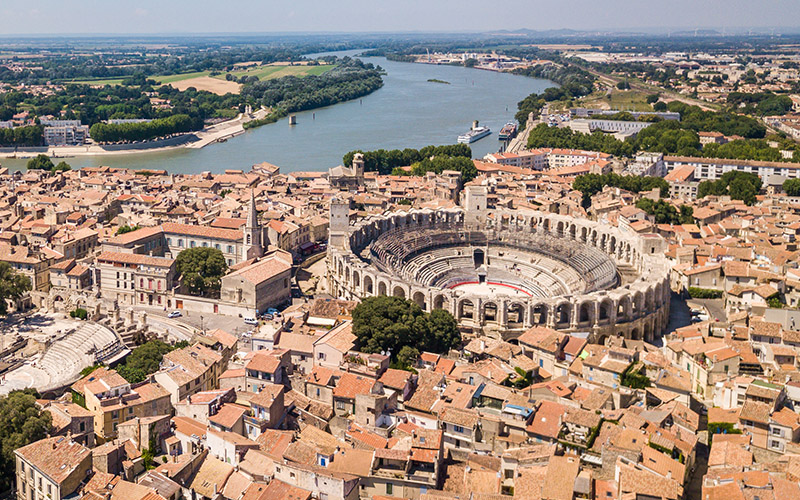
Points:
x=219 y=132
x=408 y=111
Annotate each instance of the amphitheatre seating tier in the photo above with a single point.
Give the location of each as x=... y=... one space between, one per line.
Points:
x=543 y=264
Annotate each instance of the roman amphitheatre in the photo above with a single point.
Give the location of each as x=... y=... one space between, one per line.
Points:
x=501 y=272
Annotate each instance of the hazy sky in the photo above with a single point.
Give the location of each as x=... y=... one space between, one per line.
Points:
x=263 y=16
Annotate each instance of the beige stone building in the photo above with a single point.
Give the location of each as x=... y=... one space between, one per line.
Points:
x=135 y=279
x=52 y=468
x=258 y=286
x=113 y=400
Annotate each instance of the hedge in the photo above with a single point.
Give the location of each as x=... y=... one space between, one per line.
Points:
x=704 y=293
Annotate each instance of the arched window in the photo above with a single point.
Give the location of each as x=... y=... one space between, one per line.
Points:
x=248 y=239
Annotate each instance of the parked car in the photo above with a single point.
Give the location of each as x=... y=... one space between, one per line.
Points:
x=268 y=316
x=273 y=311
x=175 y=314
x=249 y=320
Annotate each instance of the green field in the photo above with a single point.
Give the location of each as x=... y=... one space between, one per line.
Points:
x=109 y=81
x=271 y=72
x=262 y=72
x=177 y=78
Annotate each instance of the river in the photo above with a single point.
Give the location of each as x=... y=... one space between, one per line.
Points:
x=408 y=111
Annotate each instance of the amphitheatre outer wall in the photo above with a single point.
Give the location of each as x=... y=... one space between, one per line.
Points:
x=636 y=307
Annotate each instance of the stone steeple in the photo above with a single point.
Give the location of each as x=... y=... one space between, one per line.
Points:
x=253 y=245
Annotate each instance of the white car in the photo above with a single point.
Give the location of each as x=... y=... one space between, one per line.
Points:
x=175 y=314
x=250 y=321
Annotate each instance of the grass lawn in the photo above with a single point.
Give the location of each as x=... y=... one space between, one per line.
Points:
x=622 y=100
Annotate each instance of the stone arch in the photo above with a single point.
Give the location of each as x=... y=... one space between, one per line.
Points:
x=584 y=234
x=560 y=228
x=603 y=239
x=439 y=302
x=383 y=288
x=546 y=225
x=491 y=313
x=368 y=284
x=341 y=269
x=606 y=310
x=516 y=315
x=399 y=291
x=356 y=280
x=466 y=309
x=572 y=231
x=648 y=332
x=562 y=314
x=586 y=313
x=635 y=334
x=624 y=309
x=638 y=304
x=419 y=299
x=539 y=314
x=649 y=300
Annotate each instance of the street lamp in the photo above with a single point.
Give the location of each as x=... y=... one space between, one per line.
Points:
x=201 y=325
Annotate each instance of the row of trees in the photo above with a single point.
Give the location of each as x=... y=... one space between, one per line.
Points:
x=131 y=132
x=32 y=135
x=591 y=184
x=385 y=161
x=439 y=164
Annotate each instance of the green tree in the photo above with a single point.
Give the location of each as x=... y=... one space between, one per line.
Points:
x=12 y=286
x=663 y=212
x=201 y=269
x=687 y=214
x=742 y=186
x=407 y=357
x=21 y=423
x=126 y=229
x=62 y=167
x=40 y=162
x=792 y=187
x=143 y=361
x=391 y=323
